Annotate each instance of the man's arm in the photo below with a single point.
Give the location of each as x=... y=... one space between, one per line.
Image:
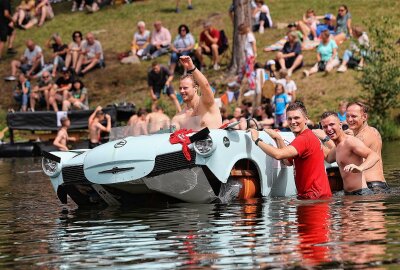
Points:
x=328 y=147
x=279 y=142
x=360 y=149
x=93 y=115
x=207 y=95
x=277 y=153
x=105 y=128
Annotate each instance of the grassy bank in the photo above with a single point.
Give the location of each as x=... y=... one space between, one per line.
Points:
x=115 y=25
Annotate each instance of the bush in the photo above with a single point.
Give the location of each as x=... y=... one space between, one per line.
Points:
x=381 y=75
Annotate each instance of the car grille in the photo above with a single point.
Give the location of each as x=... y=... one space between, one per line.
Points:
x=172 y=162
x=73 y=174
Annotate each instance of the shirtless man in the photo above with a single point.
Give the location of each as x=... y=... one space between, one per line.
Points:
x=62 y=136
x=351 y=154
x=95 y=126
x=201 y=107
x=357 y=116
x=157 y=120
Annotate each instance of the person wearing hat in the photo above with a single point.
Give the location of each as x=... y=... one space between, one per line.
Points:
x=328 y=24
x=290 y=57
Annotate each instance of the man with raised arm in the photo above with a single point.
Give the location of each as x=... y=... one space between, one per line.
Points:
x=351 y=154
x=357 y=118
x=304 y=152
x=95 y=126
x=202 y=109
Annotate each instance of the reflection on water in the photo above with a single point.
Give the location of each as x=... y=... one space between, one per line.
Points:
x=345 y=232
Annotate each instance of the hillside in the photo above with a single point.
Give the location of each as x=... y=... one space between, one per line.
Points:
x=114 y=27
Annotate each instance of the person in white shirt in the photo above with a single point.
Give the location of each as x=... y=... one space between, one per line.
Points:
x=250 y=49
x=32 y=61
x=91 y=55
x=261 y=16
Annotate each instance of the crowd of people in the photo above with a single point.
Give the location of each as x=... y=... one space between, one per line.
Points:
x=356 y=150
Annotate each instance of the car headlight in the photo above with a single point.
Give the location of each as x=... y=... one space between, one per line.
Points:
x=50 y=167
x=204 y=147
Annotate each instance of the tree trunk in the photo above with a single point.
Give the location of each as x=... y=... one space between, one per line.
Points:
x=242 y=14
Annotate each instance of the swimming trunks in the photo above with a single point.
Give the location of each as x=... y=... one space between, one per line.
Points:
x=93 y=145
x=378 y=187
x=360 y=192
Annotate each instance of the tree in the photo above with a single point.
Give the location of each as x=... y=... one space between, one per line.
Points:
x=381 y=74
x=242 y=14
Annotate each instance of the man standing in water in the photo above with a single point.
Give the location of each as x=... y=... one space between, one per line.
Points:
x=62 y=136
x=357 y=116
x=304 y=152
x=351 y=154
x=95 y=126
x=198 y=107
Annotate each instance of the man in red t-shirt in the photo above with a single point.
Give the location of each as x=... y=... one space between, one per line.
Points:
x=209 y=39
x=305 y=152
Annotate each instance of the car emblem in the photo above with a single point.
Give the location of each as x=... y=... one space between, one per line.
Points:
x=226 y=141
x=116 y=170
x=120 y=144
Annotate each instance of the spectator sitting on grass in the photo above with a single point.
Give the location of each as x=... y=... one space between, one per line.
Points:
x=22 y=92
x=141 y=39
x=91 y=55
x=343 y=28
x=62 y=136
x=290 y=57
x=159 y=80
x=328 y=24
x=159 y=43
x=74 y=49
x=42 y=90
x=60 y=90
x=262 y=17
x=31 y=62
x=308 y=26
x=59 y=53
x=208 y=45
x=182 y=45
x=44 y=11
x=354 y=56
x=77 y=97
x=327 y=57
x=24 y=15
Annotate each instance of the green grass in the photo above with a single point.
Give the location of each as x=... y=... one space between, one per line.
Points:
x=115 y=26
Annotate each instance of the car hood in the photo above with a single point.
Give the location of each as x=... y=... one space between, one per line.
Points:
x=126 y=159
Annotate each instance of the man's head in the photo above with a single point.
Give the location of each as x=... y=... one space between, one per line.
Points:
x=57 y=39
x=30 y=44
x=157 y=25
x=90 y=38
x=331 y=125
x=66 y=73
x=356 y=115
x=155 y=66
x=237 y=113
x=207 y=25
x=100 y=115
x=158 y=108
x=188 y=87
x=328 y=19
x=46 y=76
x=65 y=122
x=296 y=114
x=292 y=27
x=141 y=26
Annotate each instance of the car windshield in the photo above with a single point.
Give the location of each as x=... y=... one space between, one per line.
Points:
x=154 y=126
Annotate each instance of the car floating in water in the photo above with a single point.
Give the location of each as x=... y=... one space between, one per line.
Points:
x=206 y=166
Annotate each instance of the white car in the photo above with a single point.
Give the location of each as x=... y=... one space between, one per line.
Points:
x=224 y=164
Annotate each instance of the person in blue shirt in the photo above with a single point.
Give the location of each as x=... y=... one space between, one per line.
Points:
x=22 y=92
x=342 y=111
x=280 y=101
x=327 y=55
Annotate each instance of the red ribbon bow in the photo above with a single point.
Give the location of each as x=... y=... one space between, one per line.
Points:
x=180 y=136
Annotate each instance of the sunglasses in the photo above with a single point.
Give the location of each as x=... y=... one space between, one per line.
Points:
x=46 y=77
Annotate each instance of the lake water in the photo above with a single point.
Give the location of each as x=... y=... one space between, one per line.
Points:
x=37 y=232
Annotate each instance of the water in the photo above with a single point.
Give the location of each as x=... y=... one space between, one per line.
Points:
x=37 y=232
